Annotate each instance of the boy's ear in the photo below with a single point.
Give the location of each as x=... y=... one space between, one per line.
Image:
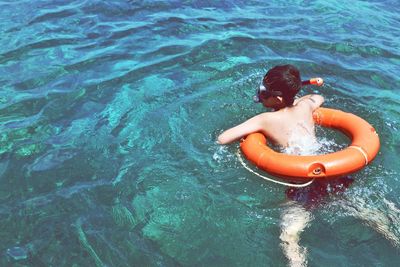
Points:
x=281 y=100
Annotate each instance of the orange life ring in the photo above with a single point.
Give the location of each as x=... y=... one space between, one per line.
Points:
x=363 y=149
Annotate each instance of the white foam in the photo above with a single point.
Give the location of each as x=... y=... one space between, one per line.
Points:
x=302 y=145
x=219 y=154
x=309 y=145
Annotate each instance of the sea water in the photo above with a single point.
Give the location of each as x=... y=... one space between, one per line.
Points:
x=109 y=112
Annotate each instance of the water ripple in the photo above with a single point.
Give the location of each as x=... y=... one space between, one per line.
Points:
x=109 y=113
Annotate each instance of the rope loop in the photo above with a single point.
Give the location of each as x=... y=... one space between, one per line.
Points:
x=268 y=178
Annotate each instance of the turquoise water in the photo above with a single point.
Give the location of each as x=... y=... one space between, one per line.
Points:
x=109 y=113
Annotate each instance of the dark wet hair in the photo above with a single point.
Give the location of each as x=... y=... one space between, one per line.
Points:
x=285 y=79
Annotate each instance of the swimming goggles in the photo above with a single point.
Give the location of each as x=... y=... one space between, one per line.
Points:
x=263 y=93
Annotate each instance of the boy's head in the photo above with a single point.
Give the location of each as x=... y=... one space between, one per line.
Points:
x=282 y=81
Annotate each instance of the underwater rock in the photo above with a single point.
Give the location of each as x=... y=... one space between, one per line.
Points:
x=123 y=216
x=17 y=253
x=86 y=244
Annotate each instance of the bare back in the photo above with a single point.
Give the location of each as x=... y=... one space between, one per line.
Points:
x=287 y=127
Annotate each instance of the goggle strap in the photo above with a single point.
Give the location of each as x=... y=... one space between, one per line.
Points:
x=272 y=93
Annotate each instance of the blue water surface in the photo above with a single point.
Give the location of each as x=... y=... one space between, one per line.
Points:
x=109 y=112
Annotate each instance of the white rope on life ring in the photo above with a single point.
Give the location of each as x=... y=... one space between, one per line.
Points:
x=268 y=178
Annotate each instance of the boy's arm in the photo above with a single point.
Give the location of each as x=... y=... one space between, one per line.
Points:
x=250 y=126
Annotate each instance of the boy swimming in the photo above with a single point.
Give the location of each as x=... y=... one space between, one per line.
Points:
x=291 y=122
x=291 y=126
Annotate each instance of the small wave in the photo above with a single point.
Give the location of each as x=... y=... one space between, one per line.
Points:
x=53 y=16
x=51 y=160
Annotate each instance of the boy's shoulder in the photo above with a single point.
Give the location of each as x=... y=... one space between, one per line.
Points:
x=272 y=117
x=312 y=101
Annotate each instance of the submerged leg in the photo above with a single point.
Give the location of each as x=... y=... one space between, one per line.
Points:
x=295 y=218
x=384 y=219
